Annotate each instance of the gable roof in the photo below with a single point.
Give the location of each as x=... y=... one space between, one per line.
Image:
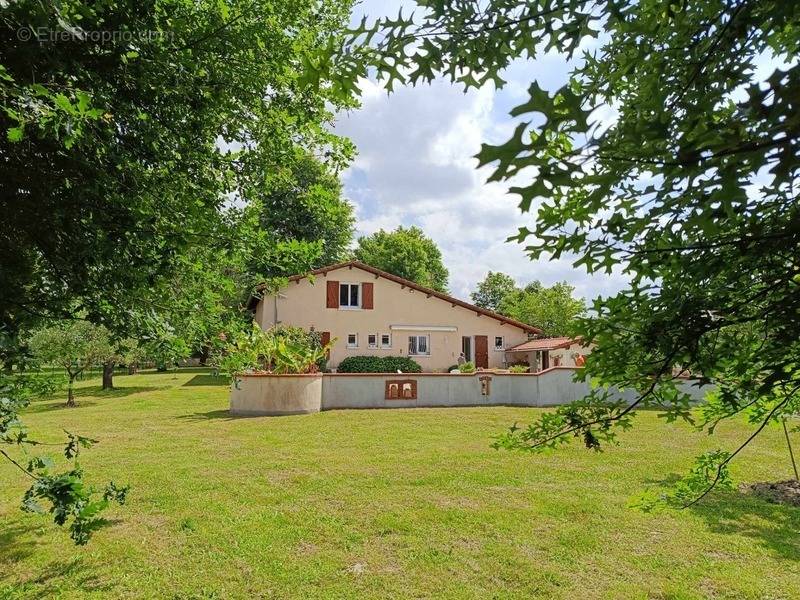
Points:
x=410 y=284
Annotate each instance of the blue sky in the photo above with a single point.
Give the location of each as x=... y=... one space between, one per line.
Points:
x=416 y=166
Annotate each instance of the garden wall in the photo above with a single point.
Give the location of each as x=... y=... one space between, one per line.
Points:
x=551 y=387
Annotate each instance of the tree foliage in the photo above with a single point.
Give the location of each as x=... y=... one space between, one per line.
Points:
x=74 y=346
x=118 y=155
x=553 y=309
x=303 y=201
x=405 y=252
x=128 y=131
x=491 y=291
x=689 y=186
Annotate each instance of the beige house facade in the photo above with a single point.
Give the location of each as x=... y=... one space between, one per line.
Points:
x=369 y=312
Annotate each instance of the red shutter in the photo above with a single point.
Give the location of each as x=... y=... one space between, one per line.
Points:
x=325 y=339
x=332 y=295
x=366 y=291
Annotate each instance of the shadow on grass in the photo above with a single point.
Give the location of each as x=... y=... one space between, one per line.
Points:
x=50 y=581
x=12 y=547
x=178 y=370
x=224 y=415
x=95 y=392
x=58 y=404
x=207 y=380
x=18 y=541
x=773 y=526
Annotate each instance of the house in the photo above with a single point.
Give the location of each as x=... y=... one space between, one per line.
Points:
x=372 y=312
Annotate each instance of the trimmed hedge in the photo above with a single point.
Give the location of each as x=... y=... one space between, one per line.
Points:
x=378 y=364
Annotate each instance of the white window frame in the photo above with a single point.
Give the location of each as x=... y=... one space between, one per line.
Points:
x=372 y=345
x=349 y=285
x=502 y=343
x=416 y=345
x=349 y=345
x=385 y=346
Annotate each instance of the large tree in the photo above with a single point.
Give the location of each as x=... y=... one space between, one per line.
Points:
x=690 y=187
x=118 y=154
x=303 y=201
x=127 y=128
x=406 y=252
x=491 y=291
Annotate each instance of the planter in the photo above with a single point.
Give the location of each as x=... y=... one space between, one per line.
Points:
x=276 y=394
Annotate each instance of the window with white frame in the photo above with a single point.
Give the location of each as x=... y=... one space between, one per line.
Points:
x=419 y=345
x=372 y=340
x=352 y=340
x=349 y=296
x=386 y=340
x=499 y=343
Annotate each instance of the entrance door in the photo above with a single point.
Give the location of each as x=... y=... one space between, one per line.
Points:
x=466 y=347
x=482 y=351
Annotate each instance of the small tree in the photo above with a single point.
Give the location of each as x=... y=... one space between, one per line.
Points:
x=74 y=345
x=132 y=354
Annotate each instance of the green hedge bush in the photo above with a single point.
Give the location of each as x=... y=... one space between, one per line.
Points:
x=378 y=364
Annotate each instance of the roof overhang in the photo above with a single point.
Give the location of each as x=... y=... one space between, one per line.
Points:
x=423 y=328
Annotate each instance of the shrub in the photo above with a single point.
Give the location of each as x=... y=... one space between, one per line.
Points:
x=279 y=350
x=467 y=367
x=378 y=364
x=403 y=363
x=519 y=368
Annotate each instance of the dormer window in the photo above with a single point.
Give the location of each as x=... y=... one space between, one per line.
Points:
x=348 y=295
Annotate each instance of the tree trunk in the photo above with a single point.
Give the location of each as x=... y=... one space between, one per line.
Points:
x=205 y=351
x=132 y=369
x=70 y=392
x=108 y=375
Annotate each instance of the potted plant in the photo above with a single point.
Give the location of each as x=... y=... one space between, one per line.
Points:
x=273 y=373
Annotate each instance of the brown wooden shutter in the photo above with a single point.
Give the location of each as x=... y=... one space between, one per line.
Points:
x=366 y=292
x=325 y=339
x=332 y=295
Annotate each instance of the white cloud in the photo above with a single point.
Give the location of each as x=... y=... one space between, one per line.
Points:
x=416 y=166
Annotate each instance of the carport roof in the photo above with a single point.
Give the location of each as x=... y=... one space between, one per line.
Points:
x=553 y=343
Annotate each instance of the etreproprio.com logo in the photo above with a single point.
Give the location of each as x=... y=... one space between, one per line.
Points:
x=76 y=34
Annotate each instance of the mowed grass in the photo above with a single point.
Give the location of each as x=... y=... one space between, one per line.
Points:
x=385 y=503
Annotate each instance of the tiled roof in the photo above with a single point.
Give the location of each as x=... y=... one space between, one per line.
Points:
x=543 y=344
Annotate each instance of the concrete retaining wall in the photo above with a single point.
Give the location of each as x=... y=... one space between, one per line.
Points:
x=276 y=394
x=265 y=394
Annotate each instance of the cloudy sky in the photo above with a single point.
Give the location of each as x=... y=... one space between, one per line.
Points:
x=416 y=166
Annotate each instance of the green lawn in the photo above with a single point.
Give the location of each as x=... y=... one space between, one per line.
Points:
x=385 y=503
